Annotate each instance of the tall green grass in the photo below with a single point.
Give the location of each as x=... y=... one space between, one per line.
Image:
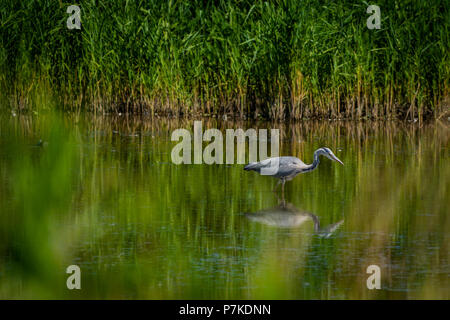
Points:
x=277 y=59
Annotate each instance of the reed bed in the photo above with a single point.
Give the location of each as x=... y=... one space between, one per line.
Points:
x=255 y=59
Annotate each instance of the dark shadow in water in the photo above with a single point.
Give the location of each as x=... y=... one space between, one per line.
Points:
x=286 y=215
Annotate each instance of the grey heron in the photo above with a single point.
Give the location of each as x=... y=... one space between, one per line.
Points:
x=289 y=167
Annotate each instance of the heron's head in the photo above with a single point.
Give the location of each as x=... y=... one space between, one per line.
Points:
x=329 y=154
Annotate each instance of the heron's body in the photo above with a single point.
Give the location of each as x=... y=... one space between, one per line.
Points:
x=289 y=167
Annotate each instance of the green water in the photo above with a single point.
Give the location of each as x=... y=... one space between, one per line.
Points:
x=103 y=194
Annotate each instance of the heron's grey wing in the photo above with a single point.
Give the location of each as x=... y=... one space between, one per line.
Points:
x=257 y=166
x=274 y=162
x=290 y=166
x=286 y=165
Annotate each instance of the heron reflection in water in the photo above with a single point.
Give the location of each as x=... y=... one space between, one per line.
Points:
x=286 y=215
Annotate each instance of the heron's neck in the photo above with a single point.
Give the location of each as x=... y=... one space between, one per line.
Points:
x=315 y=163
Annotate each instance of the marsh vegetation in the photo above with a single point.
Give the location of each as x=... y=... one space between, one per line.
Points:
x=263 y=59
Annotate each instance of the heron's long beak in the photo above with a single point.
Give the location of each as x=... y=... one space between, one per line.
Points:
x=336 y=159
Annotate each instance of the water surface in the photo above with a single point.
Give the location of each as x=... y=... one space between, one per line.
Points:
x=103 y=193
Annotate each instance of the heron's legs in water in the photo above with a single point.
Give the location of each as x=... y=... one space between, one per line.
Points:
x=276 y=187
x=282 y=182
x=281 y=201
